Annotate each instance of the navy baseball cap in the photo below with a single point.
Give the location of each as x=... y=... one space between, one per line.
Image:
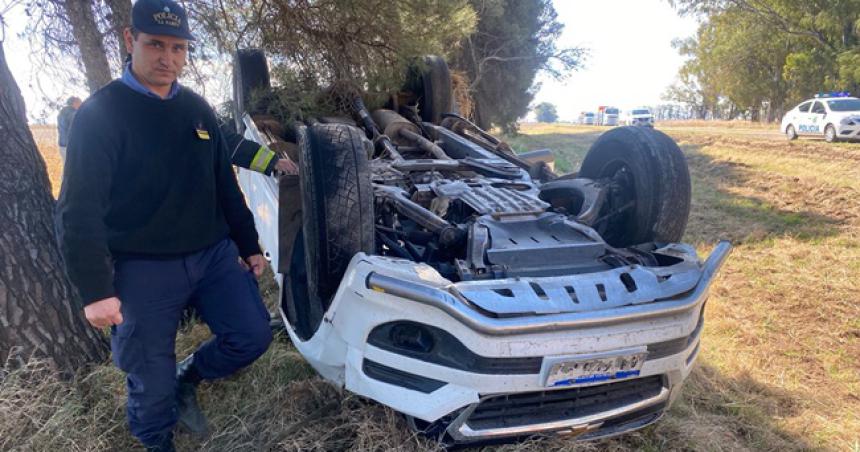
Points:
x=160 y=17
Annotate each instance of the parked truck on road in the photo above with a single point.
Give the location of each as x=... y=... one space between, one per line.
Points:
x=607 y=116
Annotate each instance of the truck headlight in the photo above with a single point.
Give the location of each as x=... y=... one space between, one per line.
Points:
x=411 y=336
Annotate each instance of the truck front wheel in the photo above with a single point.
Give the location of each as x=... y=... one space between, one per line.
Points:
x=337 y=219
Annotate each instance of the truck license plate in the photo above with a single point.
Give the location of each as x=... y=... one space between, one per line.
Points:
x=593 y=368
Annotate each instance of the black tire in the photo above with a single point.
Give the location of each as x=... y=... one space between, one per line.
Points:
x=649 y=175
x=250 y=78
x=337 y=217
x=430 y=82
x=790 y=132
x=830 y=133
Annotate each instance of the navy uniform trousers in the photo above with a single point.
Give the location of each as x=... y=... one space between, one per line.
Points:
x=153 y=295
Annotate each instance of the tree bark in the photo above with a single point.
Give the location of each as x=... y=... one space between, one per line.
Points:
x=120 y=18
x=89 y=39
x=479 y=117
x=37 y=316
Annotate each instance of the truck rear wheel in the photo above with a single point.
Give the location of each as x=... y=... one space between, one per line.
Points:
x=337 y=219
x=430 y=82
x=250 y=79
x=649 y=198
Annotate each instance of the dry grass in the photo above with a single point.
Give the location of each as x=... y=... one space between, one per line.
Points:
x=778 y=370
x=719 y=125
x=782 y=335
x=46 y=140
x=460 y=88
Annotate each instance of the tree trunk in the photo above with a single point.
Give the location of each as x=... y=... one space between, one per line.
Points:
x=89 y=39
x=120 y=18
x=479 y=117
x=37 y=316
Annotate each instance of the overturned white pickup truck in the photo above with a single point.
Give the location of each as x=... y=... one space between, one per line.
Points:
x=426 y=266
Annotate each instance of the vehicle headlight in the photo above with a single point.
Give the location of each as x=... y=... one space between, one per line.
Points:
x=411 y=336
x=436 y=346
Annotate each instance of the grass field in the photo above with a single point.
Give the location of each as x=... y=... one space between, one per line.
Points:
x=780 y=362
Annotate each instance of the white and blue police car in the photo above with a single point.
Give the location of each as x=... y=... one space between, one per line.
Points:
x=834 y=116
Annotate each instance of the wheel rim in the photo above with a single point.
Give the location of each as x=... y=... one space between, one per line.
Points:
x=618 y=212
x=829 y=134
x=791 y=132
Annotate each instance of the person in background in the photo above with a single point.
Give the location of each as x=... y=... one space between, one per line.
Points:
x=64 y=123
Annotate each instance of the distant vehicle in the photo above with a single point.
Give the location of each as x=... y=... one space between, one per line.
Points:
x=834 y=116
x=639 y=117
x=587 y=118
x=607 y=116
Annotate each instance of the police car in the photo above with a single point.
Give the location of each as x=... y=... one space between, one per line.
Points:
x=834 y=116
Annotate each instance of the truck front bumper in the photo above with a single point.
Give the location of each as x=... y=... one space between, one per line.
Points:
x=400 y=334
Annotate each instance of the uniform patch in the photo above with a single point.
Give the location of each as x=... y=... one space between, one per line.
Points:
x=201 y=131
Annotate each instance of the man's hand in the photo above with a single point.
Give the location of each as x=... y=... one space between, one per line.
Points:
x=104 y=313
x=286 y=166
x=256 y=263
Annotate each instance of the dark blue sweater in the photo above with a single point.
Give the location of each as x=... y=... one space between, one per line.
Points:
x=145 y=177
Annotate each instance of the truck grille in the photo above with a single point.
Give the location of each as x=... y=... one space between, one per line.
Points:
x=516 y=410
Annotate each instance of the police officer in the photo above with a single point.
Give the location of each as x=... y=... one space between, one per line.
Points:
x=150 y=219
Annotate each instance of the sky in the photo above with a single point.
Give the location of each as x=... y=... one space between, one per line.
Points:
x=631 y=60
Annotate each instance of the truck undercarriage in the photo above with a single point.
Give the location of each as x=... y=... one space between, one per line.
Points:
x=426 y=265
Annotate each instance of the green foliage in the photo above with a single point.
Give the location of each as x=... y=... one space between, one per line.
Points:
x=365 y=45
x=750 y=56
x=514 y=41
x=848 y=63
x=546 y=112
x=345 y=45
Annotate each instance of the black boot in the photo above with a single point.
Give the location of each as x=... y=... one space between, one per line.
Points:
x=165 y=444
x=191 y=417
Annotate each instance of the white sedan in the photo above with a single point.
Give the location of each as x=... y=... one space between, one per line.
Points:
x=834 y=118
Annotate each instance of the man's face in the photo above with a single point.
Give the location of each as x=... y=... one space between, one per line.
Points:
x=76 y=104
x=157 y=60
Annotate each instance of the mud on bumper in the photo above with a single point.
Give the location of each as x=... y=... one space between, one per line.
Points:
x=397 y=333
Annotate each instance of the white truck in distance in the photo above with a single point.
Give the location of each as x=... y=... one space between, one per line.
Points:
x=639 y=117
x=586 y=118
x=607 y=116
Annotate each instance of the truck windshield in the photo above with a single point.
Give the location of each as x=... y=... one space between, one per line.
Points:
x=844 y=105
x=641 y=112
x=611 y=111
x=589 y=115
